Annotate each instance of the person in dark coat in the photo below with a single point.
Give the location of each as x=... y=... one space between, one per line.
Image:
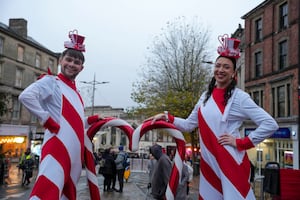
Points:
x=161 y=172
x=108 y=169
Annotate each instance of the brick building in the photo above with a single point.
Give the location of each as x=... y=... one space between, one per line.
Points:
x=22 y=60
x=272 y=76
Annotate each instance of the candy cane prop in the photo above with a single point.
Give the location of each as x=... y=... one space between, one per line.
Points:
x=88 y=153
x=90 y=169
x=179 y=155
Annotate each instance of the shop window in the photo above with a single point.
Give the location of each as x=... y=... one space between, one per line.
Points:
x=284 y=153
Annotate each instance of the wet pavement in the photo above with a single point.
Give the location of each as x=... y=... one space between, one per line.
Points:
x=135 y=188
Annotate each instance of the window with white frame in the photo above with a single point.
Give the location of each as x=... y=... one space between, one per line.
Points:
x=281 y=105
x=16 y=108
x=147 y=136
x=1 y=70
x=19 y=77
x=258 y=30
x=160 y=137
x=33 y=118
x=20 y=53
x=257 y=95
x=1 y=45
x=51 y=64
x=283 y=54
x=123 y=140
x=38 y=60
x=283 y=16
x=258 y=64
x=103 y=139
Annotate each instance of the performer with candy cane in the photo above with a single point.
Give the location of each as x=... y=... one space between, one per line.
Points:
x=219 y=113
x=176 y=172
x=59 y=107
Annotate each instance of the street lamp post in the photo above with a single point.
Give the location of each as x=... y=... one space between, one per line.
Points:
x=94 y=83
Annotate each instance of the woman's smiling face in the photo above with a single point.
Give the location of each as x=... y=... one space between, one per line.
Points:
x=223 y=72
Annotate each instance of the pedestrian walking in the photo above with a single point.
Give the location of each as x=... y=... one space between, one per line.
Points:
x=161 y=172
x=120 y=160
x=26 y=164
x=219 y=113
x=109 y=170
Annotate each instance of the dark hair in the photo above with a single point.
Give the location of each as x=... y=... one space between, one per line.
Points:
x=233 y=60
x=73 y=53
x=230 y=87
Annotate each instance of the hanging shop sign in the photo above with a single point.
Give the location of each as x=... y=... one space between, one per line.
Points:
x=283 y=132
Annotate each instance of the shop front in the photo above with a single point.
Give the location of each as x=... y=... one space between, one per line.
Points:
x=14 y=139
x=281 y=147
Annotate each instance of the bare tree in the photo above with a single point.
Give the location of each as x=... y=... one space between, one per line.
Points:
x=175 y=73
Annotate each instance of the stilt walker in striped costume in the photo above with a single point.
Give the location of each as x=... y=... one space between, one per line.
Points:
x=219 y=113
x=59 y=107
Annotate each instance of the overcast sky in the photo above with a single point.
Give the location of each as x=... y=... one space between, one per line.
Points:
x=118 y=33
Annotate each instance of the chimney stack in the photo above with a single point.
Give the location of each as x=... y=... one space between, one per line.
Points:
x=19 y=26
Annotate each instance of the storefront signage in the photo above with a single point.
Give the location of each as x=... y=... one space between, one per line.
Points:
x=280 y=133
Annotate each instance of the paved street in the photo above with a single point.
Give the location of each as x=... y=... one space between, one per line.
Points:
x=135 y=188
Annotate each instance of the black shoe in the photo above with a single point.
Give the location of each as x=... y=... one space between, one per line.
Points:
x=110 y=190
x=119 y=191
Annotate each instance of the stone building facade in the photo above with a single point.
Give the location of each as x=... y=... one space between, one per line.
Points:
x=22 y=60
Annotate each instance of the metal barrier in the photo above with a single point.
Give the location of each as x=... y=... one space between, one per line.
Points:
x=139 y=164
